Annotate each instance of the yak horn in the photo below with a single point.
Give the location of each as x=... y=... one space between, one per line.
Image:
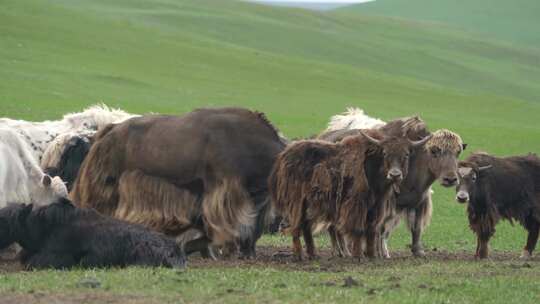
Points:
x=371 y=139
x=420 y=142
x=480 y=169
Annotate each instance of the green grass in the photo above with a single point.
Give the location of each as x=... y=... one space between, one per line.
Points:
x=512 y=21
x=300 y=67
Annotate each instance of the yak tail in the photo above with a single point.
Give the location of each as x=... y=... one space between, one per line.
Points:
x=155 y=203
x=229 y=212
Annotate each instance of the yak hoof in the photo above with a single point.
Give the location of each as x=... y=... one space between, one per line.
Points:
x=525 y=255
x=418 y=252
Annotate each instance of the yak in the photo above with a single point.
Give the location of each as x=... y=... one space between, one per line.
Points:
x=344 y=186
x=437 y=160
x=498 y=188
x=61 y=235
x=203 y=172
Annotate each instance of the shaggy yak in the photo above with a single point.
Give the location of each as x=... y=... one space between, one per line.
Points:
x=61 y=235
x=345 y=186
x=500 y=188
x=204 y=173
x=437 y=160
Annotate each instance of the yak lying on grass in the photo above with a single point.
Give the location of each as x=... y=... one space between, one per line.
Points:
x=345 y=186
x=62 y=236
x=500 y=188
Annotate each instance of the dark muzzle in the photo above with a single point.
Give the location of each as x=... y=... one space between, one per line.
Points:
x=395 y=175
x=462 y=197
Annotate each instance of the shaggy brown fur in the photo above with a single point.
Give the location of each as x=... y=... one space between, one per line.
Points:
x=218 y=160
x=501 y=188
x=437 y=160
x=174 y=209
x=343 y=185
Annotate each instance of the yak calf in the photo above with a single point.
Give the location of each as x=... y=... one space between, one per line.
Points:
x=62 y=236
x=500 y=188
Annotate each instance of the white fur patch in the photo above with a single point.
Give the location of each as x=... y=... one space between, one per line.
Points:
x=353 y=118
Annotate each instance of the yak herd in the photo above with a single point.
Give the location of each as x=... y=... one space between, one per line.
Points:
x=105 y=188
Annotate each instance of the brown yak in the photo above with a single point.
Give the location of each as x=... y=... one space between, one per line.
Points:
x=438 y=160
x=500 y=188
x=205 y=171
x=344 y=185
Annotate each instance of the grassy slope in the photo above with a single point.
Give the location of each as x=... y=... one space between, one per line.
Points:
x=298 y=66
x=513 y=21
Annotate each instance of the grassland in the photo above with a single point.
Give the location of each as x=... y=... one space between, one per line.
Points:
x=299 y=67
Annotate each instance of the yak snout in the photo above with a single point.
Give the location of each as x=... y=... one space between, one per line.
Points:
x=449 y=181
x=462 y=197
x=395 y=175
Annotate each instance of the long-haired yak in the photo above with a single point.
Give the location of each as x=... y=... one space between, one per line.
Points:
x=206 y=170
x=344 y=185
x=61 y=235
x=500 y=188
x=437 y=160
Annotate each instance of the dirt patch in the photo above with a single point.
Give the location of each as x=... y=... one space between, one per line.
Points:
x=41 y=298
x=281 y=258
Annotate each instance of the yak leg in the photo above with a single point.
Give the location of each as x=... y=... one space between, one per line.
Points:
x=310 y=244
x=337 y=250
x=416 y=233
x=248 y=243
x=297 y=245
x=357 y=248
x=533 y=227
x=483 y=246
x=371 y=242
x=417 y=219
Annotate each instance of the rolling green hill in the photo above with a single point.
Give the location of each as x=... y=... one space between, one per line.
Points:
x=300 y=67
x=513 y=21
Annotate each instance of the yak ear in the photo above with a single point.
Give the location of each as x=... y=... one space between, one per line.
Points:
x=371 y=139
x=46 y=181
x=484 y=168
x=464 y=146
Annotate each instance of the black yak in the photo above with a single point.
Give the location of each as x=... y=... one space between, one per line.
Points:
x=500 y=188
x=61 y=236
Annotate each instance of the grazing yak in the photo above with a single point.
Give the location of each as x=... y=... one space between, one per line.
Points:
x=206 y=170
x=500 y=188
x=61 y=235
x=65 y=154
x=437 y=160
x=343 y=185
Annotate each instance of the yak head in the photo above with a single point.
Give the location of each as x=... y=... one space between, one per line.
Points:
x=395 y=153
x=469 y=175
x=12 y=222
x=443 y=149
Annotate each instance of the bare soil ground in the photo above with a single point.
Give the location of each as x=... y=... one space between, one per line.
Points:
x=281 y=258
